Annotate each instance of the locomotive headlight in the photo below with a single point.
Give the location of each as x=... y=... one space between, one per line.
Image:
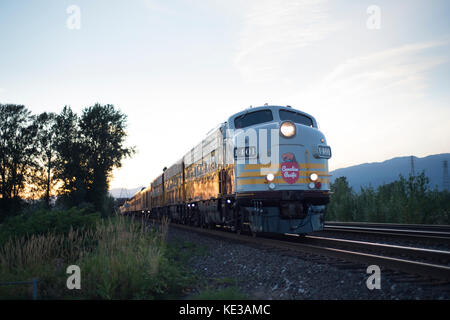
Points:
x=270 y=177
x=313 y=176
x=287 y=129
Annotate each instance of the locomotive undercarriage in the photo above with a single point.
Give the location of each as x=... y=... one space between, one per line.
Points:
x=295 y=212
x=286 y=211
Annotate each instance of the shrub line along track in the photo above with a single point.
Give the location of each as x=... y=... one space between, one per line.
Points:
x=355 y=251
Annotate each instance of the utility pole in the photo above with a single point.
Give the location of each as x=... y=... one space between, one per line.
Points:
x=412 y=167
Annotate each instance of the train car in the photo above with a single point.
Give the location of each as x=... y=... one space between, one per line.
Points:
x=136 y=202
x=174 y=190
x=139 y=204
x=157 y=197
x=146 y=200
x=264 y=170
x=131 y=205
x=203 y=165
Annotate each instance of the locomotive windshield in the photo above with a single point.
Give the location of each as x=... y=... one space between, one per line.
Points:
x=252 y=118
x=296 y=117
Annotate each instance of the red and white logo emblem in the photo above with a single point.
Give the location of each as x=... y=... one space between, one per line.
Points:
x=289 y=168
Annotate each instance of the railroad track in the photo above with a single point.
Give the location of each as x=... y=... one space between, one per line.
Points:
x=426 y=263
x=439 y=234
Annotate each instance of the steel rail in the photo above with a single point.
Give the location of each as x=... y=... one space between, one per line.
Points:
x=423 y=230
x=406 y=226
x=399 y=231
x=401 y=234
x=425 y=269
x=432 y=254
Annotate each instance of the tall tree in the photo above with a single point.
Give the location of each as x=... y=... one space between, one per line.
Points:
x=69 y=164
x=341 y=208
x=45 y=140
x=17 y=150
x=102 y=136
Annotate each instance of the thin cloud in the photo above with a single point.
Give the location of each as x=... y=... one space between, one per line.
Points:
x=274 y=30
x=401 y=69
x=380 y=96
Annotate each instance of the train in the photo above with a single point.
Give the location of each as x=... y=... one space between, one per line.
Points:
x=264 y=170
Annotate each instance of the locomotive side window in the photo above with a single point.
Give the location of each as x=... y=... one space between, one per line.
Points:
x=296 y=117
x=252 y=118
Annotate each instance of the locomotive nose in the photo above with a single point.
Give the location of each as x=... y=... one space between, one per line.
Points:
x=300 y=165
x=300 y=144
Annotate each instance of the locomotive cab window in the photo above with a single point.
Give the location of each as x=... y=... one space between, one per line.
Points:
x=296 y=117
x=252 y=118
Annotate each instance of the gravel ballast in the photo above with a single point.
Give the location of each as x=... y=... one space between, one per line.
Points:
x=269 y=274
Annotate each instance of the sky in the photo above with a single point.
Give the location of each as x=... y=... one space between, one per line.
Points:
x=375 y=74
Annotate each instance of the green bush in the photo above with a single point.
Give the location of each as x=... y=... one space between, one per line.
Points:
x=44 y=221
x=402 y=201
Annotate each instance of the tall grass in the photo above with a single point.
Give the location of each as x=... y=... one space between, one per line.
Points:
x=125 y=256
x=119 y=259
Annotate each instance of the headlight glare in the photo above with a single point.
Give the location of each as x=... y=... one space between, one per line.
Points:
x=287 y=129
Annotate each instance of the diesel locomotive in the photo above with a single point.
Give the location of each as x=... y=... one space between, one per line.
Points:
x=264 y=170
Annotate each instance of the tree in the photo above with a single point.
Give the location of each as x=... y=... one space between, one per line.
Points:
x=17 y=151
x=342 y=206
x=88 y=149
x=38 y=152
x=416 y=189
x=102 y=137
x=45 y=140
x=69 y=167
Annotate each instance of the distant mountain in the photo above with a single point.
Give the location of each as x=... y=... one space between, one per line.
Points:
x=124 y=193
x=378 y=173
